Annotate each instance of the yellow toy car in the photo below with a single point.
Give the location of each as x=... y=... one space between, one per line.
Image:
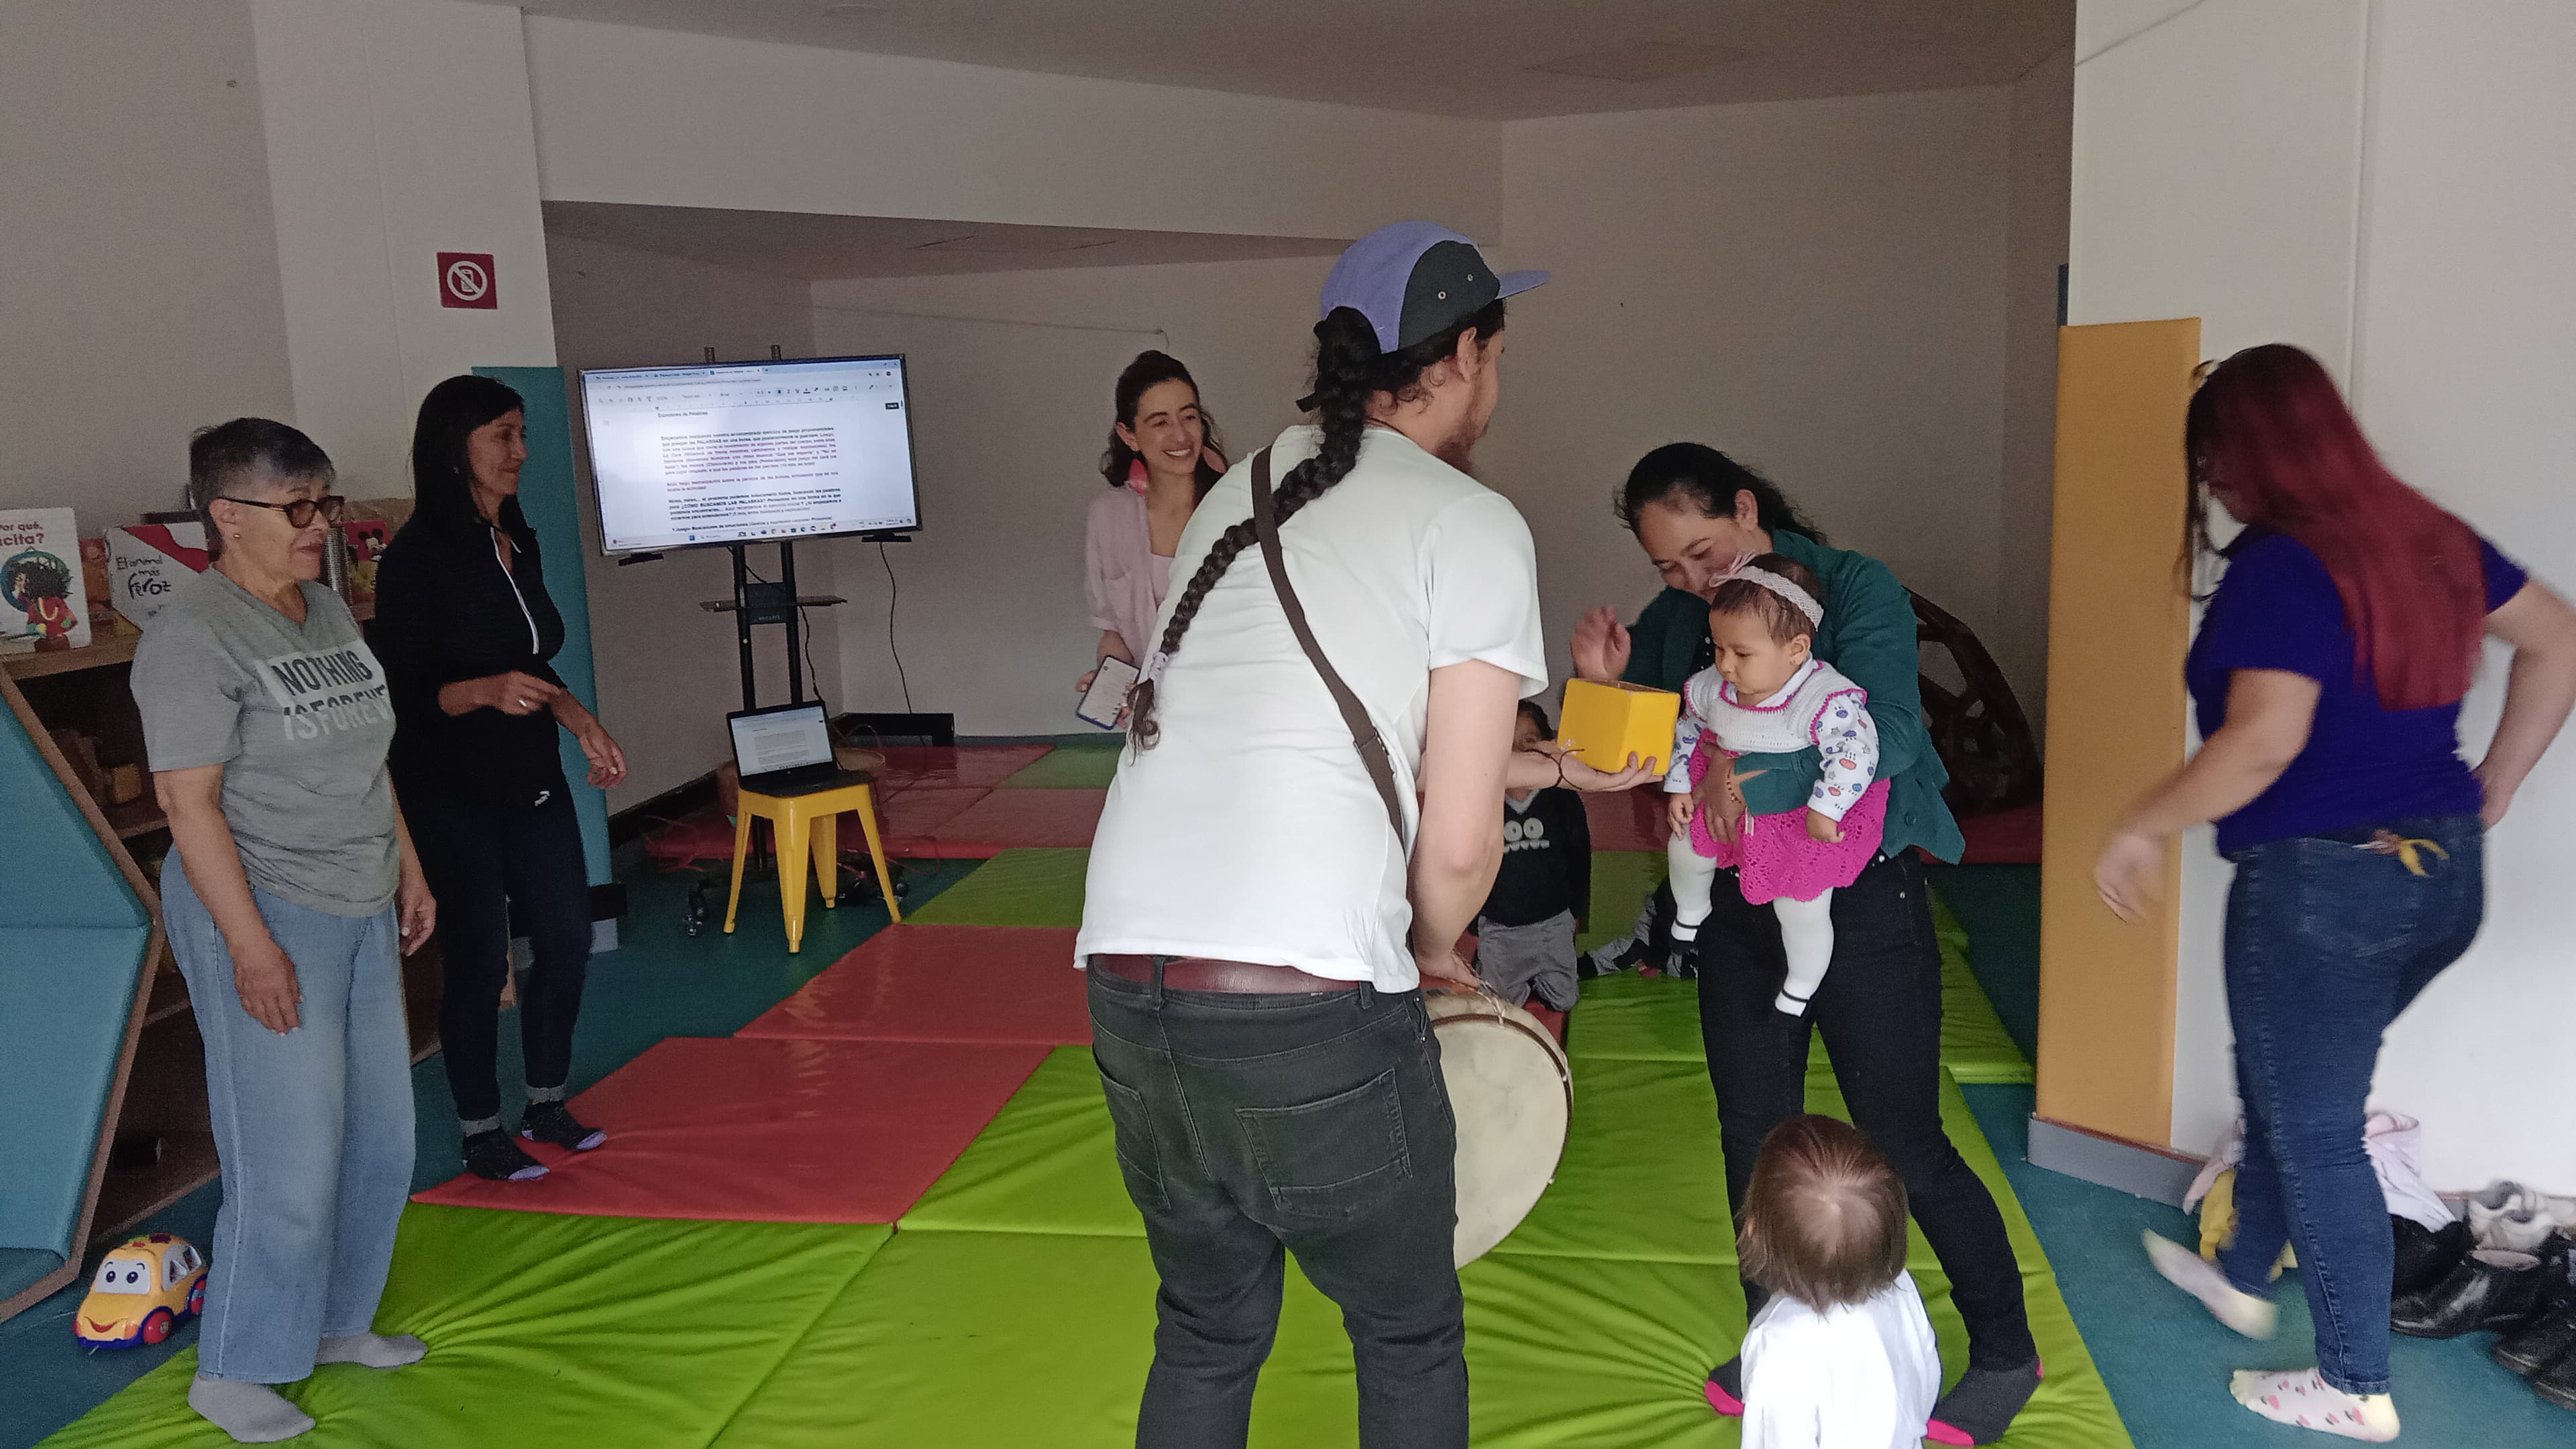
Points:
x=145 y=1289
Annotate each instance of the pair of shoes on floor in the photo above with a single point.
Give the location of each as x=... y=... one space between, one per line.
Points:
x=2544 y=1352
x=2516 y=1219
x=2426 y=1256
x=2493 y=1290
x=493 y=1155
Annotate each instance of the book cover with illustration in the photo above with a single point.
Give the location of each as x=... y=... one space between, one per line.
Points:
x=43 y=603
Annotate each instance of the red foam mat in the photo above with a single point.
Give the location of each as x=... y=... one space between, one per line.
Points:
x=911 y=814
x=943 y=984
x=729 y=1129
x=1016 y=820
x=1628 y=819
x=2007 y=837
x=973 y=766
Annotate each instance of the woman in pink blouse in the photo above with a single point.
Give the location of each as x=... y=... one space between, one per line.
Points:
x=1163 y=456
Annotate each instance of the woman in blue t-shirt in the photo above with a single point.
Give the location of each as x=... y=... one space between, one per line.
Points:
x=2327 y=680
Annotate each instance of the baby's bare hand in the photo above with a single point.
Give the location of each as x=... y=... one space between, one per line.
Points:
x=1821 y=826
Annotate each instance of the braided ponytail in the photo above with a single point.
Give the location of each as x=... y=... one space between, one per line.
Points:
x=1350 y=371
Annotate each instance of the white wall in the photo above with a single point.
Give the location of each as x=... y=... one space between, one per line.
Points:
x=1819 y=286
x=2035 y=248
x=668 y=669
x=140 y=296
x=1815 y=287
x=2385 y=185
x=396 y=130
x=2465 y=363
x=1010 y=415
x=686 y=120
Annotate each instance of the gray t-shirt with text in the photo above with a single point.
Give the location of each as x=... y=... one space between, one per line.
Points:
x=298 y=716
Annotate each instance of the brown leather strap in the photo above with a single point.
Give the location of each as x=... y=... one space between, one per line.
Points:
x=1198 y=973
x=1355 y=716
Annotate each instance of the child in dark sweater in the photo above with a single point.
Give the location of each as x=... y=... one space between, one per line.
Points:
x=1525 y=934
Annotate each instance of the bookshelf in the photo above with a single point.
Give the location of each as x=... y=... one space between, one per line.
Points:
x=158 y=1141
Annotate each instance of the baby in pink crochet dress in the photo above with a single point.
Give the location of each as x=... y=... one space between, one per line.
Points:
x=1767 y=694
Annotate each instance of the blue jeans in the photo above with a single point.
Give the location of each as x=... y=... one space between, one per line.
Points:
x=2327 y=941
x=313 y=1128
x=1250 y=1126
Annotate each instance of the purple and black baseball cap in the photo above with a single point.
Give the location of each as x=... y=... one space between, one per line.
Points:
x=1414 y=280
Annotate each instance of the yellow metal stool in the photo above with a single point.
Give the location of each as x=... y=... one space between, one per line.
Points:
x=801 y=823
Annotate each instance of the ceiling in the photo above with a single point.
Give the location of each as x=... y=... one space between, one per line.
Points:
x=824 y=248
x=1491 y=59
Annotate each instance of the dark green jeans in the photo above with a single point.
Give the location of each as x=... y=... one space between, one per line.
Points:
x=1252 y=1126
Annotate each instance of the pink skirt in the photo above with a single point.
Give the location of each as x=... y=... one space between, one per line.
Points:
x=1774 y=856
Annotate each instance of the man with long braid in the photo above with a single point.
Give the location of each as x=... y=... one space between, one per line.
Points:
x=1256 y=932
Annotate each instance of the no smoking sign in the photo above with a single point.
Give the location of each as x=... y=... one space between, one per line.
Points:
x=465 y=280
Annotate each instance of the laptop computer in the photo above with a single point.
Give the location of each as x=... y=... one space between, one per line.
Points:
x=787 y=750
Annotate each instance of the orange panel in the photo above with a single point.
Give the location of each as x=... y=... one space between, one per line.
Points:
x=2118 y=625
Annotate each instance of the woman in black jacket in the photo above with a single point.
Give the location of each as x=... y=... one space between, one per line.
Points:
x=464 y=627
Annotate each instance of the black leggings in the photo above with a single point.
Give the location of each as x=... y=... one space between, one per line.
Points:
x=1880 y=1012
x=482 y=862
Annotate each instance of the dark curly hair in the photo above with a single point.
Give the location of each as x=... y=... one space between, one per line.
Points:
x=1349 y=371
x=34 y=575
x=1149 y=368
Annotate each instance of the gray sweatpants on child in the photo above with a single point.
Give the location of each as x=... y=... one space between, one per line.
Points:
x=1519 y=962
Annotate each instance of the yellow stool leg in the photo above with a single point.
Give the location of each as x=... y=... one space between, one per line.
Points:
x=876 y=852
x=793 y=836
x=827 y=857
x=741 y=848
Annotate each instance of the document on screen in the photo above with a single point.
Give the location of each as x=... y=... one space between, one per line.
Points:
x=697 y=455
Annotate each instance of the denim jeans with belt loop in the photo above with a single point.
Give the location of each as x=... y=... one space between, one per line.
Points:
x=2329 y=937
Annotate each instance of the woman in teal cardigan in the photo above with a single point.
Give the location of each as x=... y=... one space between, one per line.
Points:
x=1694 y=510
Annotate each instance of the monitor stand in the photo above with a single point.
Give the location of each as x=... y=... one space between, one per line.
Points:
x=759 y=601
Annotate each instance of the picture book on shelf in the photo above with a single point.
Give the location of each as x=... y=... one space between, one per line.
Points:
x=43 y=603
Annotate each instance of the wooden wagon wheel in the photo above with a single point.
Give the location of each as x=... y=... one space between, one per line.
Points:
x=1979 y=729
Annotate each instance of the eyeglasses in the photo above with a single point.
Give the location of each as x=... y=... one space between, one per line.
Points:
x=299 y=514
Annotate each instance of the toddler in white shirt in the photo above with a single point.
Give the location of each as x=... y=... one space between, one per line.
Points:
x=1842 y=1357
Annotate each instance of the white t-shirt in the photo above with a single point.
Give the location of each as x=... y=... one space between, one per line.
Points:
x=1859 y=1377
x=1250 y=832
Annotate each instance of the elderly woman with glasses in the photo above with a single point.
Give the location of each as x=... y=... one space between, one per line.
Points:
x=290 y=888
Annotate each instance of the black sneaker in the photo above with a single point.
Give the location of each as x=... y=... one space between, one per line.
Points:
x=492 y=1154
x=553 y=1123
x=1612 y=959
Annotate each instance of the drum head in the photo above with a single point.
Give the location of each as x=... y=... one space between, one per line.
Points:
x=1512 y=1093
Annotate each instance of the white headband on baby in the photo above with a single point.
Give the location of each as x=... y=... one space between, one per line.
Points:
x=1804 y=602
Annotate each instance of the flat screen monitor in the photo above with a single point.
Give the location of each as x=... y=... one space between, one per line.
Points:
x=691 y=456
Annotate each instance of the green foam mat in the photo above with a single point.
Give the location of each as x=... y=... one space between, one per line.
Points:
x=1086 y=766
x=1044 y=1164
x=1009 y=1339
x=1621 y=881
x=546 y=1329
x=1657 y=1018
x=1030 y=887
x=1637 y=1215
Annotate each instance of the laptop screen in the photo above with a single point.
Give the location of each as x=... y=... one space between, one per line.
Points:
x=783 y=739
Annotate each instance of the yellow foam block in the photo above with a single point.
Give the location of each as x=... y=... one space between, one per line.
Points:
x=1606 y=723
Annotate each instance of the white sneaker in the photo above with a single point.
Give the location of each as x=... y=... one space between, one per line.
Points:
x=2509 y=1217
x=2244 y=1312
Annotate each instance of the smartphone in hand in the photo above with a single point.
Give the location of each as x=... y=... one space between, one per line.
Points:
x=1107 y=698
